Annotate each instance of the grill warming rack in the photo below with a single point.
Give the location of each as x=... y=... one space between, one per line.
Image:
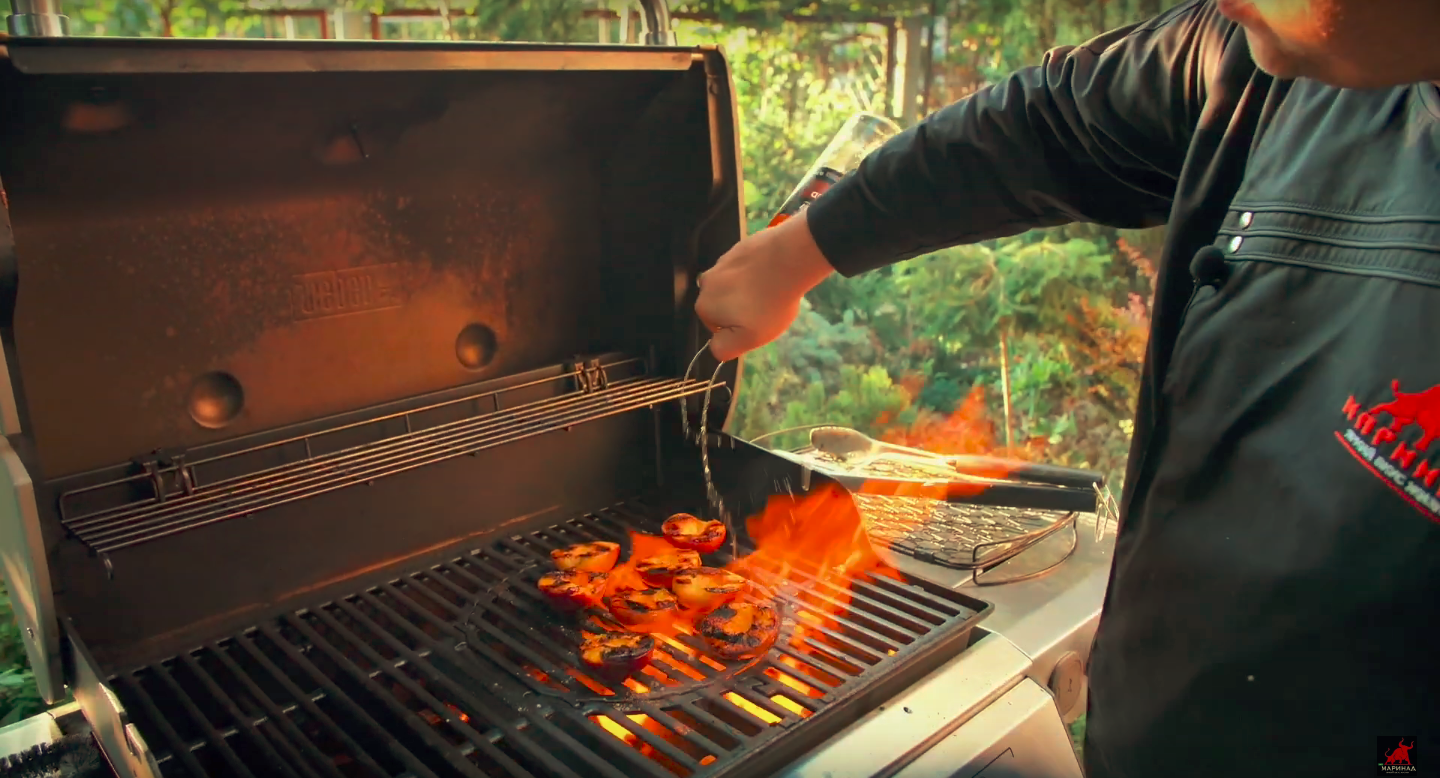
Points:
x=182 y=498
x=410 y=679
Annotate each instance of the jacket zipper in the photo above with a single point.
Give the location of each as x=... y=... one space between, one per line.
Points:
x=1157 y=420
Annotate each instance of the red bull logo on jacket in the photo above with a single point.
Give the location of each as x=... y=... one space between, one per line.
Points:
x=1393 y=439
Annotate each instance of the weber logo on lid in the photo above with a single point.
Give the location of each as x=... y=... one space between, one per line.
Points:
x=341 y=292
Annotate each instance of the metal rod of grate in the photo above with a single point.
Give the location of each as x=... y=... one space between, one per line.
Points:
x=189 y=472
x=132 y=526
x=392 y=681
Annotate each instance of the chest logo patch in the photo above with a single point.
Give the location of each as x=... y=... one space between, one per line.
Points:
x=1392 y=440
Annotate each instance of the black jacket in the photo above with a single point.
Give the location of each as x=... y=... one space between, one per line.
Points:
x=1278 y=564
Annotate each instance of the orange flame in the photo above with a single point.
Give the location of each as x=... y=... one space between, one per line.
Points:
x=966 y=430
x=624 y=576
x=751 y=708
x=661 y=732
x=819 y=542
x=819 y=531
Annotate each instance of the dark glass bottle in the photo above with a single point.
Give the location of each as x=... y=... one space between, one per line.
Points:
x=861 y=134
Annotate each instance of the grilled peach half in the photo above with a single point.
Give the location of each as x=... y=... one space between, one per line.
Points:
x=641 y=607
x=695 y=534
x=572 y=590
x=740 y=630
x=598 y=557
x=707 y=588
x=617 y=654
x=660 y=569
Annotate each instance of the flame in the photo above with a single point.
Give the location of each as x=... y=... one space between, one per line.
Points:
x=458 y=713
x=794 y=683
x=660 y=731
x=751 y=708
x=624 y=576
x=764 y=715
x=966 y=430
x=819 y=542
x=790 y=705
x=542 y=677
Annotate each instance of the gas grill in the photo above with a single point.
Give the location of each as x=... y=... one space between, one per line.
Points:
x=314 y=351
x=459 y=669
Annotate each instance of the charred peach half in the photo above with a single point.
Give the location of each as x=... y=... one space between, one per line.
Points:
x=639 y=607
x=707 y=588
x=695 y=534
x=740 y=630
x=597 y=557
x=617 y=654
x=572 y=590
x=660 y=569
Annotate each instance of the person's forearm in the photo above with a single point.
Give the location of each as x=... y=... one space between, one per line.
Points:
x=805 y=263
x=1097 y=133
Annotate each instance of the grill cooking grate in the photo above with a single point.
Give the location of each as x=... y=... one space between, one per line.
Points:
x=448 y=671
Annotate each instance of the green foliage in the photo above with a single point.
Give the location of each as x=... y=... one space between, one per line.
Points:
x=188 y=18
x=491 y=20
x=1059 y=299
x=19 y=698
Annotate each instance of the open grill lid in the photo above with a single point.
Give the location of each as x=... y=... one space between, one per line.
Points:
x=222 y=249
x=218 y=238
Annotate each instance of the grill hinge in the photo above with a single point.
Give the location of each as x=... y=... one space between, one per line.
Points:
x=167 y=473
x=590 y=376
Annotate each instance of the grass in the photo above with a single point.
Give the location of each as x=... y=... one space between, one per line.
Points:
x=1077 y=737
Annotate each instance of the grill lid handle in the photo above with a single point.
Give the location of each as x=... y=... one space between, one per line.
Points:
x=37 y=18
x=656 y=15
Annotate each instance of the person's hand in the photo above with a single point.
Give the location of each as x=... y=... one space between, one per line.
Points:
x=753 y=293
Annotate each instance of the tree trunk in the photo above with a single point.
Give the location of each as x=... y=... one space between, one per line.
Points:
x=910 y=66
x=929 y=82
x=445 y=22
x=892 y=43
x=1046 y=30
x=167 y=9
x=1005 y=388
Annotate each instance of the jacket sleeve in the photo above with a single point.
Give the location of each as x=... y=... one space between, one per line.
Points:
x=1097 y=133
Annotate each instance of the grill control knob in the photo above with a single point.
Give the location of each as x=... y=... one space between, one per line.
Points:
x=1067 y=680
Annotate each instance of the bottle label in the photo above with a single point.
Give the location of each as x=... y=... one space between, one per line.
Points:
x=808 y=193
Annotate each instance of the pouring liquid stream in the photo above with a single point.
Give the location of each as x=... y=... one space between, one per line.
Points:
x=861 y=134
x=712 y=495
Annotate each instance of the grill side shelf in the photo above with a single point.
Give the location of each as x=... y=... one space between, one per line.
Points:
x=181 y=499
